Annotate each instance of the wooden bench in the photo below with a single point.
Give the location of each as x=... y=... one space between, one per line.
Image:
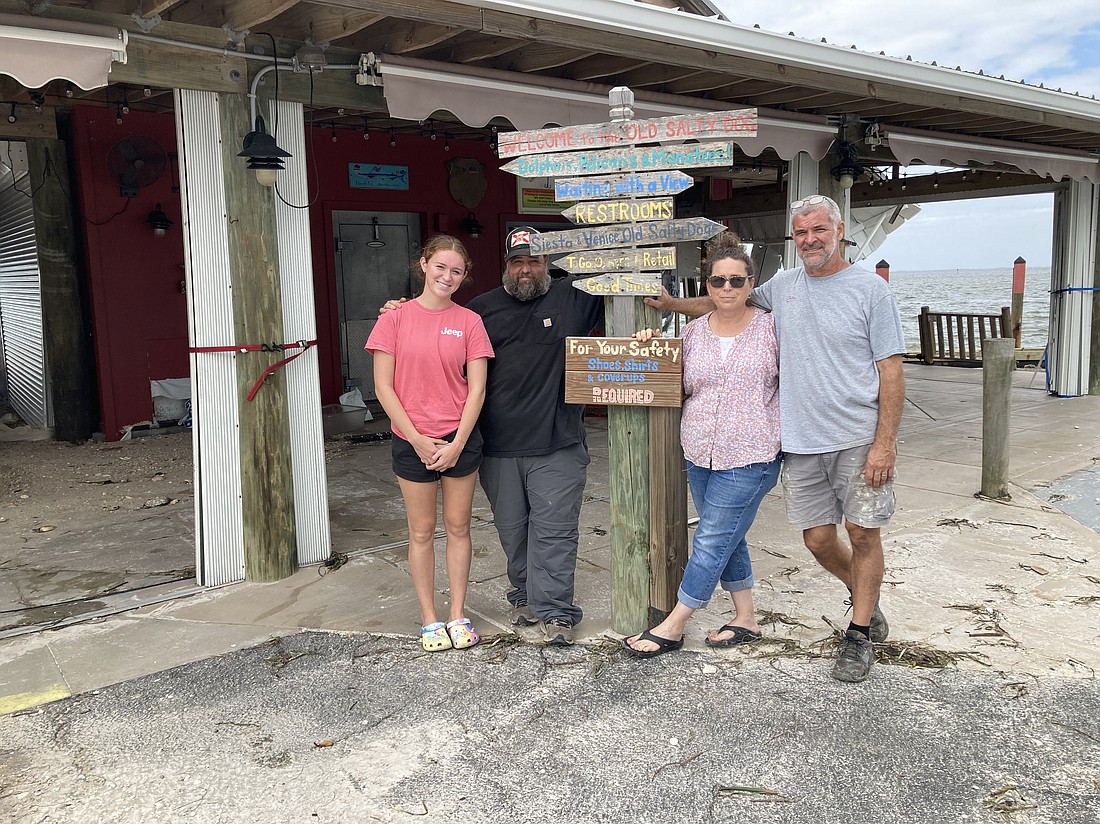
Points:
x=956 y=337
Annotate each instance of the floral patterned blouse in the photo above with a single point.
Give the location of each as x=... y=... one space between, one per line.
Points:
x=731 y=403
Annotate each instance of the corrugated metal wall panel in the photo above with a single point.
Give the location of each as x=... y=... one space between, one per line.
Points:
x=299 y=323
x=21 y=303
x=219 y=536
x=1076 y=212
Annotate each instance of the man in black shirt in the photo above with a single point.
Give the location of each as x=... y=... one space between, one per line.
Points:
x=535 y=456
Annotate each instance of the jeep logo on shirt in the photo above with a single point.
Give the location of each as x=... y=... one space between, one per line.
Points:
x=446 y=330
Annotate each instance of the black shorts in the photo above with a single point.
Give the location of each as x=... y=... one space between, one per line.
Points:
x=407 y=464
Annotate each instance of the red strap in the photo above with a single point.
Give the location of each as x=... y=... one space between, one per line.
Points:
x=261 y=347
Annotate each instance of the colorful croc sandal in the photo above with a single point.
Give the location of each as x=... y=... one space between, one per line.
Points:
x=434 y=637
x=462 y=633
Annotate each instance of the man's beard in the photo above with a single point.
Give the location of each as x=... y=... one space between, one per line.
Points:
x=535 y=288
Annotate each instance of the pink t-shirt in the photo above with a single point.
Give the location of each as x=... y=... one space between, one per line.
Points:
x=431 y=349
x=731 y=402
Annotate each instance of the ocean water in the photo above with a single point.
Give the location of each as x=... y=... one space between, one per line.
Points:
x=982 y=291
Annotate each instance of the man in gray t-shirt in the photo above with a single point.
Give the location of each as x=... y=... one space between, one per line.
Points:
x=841 y=392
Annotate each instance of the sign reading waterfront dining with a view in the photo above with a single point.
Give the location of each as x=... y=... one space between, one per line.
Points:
x=623 y=371
x=620 y=200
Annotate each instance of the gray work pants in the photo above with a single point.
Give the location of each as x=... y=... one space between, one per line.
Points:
x=536 y=504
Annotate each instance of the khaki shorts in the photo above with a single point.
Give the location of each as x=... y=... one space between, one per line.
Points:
x=828 y=488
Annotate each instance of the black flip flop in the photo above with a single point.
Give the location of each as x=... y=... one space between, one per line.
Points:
x=741 y=635
x=663 y=645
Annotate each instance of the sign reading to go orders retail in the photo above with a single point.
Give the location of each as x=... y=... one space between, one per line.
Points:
x=623 y=371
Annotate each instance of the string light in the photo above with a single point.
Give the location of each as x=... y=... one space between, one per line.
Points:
x=393 y=140
x=334 y=133
x=366 y=129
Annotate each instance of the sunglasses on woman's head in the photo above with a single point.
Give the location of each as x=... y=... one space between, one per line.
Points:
x=737 y=281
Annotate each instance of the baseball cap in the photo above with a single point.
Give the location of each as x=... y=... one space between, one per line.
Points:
x=518 y=242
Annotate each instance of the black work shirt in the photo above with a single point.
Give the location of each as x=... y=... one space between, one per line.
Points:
x=525 y=412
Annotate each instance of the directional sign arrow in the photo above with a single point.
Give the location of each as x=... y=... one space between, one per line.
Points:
x=614 y=211
x=651 y=232
x=608 y=161
x=621 y=283
x=618 y=260
x=605 y=188
x=697 y=126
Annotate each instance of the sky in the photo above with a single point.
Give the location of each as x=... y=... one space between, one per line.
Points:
x=1055 y=43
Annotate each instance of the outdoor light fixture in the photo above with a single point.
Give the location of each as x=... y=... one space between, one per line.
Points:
x=849 y=167
x=11 y=114
x=159 y=222
x=376 y=242
x=393 y=140
x=472 y=226
x=265 y=158
x=366 y=129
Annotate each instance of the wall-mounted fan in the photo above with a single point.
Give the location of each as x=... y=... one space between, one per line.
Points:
x=135 y=162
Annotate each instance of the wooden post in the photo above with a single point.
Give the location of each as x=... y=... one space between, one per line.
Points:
x=882 y=269
x=267 y=482
x=628 y=461
x=1019 y=269
x=997 y=358
x=65 y=331
x=927 y=341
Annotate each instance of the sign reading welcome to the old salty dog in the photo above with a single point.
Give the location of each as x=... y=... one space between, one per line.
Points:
x=629 y=204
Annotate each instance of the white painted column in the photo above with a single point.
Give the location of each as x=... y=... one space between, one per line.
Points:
x=802 y=181
x=219 y=532
x=307 y=446
x=1076 y=214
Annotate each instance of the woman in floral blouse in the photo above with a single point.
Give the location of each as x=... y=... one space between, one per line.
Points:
x=730 y=435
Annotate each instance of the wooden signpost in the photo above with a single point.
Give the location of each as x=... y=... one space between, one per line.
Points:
x=629 y=204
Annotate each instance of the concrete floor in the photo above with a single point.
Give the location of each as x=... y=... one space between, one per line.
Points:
x=309 y=699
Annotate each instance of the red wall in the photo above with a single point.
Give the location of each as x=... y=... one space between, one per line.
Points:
x=139 y=313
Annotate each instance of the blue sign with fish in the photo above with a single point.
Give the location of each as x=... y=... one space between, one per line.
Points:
x=377 y=176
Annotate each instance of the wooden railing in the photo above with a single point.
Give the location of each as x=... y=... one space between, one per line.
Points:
x=956 y=337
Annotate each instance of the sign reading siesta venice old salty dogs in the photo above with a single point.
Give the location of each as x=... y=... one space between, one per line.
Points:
x=652 y=232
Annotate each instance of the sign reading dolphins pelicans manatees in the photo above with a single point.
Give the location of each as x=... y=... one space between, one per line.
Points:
x=636 y=159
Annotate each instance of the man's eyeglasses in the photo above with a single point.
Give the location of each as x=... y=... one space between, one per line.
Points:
x=812 y=200
x=736 y=282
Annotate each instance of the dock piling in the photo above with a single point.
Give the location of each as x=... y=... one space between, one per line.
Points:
x=997 y=361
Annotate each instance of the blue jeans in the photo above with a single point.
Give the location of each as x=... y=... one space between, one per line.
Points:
x=726 y=500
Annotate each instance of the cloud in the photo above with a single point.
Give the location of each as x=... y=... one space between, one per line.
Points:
x=1060 y=47
x=1056 y=44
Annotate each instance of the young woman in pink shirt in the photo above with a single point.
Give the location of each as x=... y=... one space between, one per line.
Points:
x=430 y=362
x=730 y=434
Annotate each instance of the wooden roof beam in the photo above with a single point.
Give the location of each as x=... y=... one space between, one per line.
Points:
x=400 y=37
x=477 y=50
x=602 y=67
x=323 y=24
x=539 y=58
x=152 y=8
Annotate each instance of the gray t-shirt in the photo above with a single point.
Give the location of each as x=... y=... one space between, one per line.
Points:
x=831 y=330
